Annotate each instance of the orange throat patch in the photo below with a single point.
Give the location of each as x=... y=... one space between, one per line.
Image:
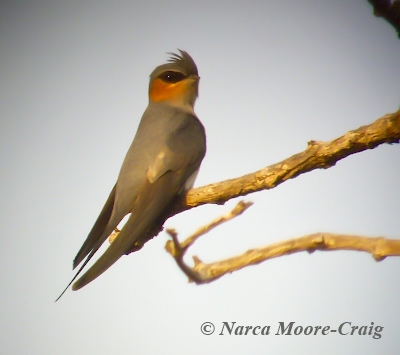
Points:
x=162 y=91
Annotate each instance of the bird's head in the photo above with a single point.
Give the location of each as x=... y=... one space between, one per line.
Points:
x=176 y=82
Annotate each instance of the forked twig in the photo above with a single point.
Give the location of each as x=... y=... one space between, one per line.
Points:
x=378 y=247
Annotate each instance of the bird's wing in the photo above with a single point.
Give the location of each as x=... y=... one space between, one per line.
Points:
x=97 y=229
x=151 y=202
x=105 y=224
x=95 y=238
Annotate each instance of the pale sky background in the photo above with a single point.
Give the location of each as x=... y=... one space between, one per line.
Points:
x=274 y=75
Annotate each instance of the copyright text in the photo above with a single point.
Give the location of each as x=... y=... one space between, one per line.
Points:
x=292 y=328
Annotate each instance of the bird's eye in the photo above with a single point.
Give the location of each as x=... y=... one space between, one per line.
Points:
x=172 y=76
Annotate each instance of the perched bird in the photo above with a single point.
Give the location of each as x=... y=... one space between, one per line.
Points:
x=161 y=163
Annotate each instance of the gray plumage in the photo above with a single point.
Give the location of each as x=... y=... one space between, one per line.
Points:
x=161 y=163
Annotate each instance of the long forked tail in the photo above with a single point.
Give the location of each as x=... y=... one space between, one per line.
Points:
x=76 y=275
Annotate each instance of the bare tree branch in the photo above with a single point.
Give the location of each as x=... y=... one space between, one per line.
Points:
x=389 y=10
x=202 y=273
x=178 y=250
x=237 y=211
x=318 y=155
